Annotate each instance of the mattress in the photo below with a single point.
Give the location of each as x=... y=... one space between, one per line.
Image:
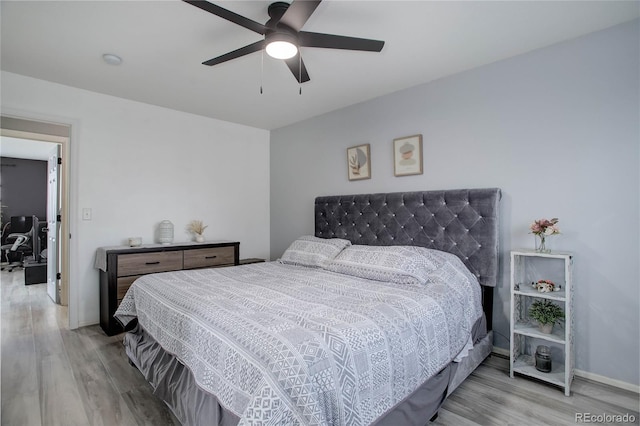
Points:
x=293 y=345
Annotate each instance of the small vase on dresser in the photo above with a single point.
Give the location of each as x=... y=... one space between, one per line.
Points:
x=165 y=232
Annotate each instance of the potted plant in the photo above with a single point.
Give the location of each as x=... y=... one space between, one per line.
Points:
x=546 y=313
x=197 y=228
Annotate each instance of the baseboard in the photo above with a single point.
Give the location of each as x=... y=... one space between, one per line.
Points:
x=607 y=381
x=501 y=352
x=585 y=374
x=86 y=323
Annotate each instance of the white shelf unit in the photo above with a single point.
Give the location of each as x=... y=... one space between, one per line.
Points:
x=527 y=267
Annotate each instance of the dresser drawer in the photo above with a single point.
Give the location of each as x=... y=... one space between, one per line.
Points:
x=123 y=284
x=208 y=257
x=148 y=263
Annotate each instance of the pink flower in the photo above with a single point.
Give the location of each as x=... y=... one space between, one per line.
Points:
x=545 y=227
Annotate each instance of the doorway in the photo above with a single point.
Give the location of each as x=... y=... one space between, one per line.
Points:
x=29 y=137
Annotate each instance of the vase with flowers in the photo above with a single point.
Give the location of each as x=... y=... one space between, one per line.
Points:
x=197 y=227
x=543 y=228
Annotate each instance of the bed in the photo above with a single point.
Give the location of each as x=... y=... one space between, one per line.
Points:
x=374 y=319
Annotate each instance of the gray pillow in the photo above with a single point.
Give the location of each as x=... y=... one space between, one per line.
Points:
x=396 y=264
x=313 y=251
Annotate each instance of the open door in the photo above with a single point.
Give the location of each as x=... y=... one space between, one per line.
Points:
x=53 y=225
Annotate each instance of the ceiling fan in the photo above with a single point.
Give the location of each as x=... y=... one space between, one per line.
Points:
x=283 y=36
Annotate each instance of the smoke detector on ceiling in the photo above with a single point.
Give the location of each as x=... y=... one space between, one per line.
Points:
x=112 y=59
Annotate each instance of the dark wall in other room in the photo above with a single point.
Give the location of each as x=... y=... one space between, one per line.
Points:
x=24 y=188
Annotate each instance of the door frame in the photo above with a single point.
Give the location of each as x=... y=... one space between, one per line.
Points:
x=54 y=231
x=65 y=143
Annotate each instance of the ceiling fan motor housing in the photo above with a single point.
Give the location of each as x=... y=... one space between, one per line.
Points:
x=277 y=31
x=276 y=10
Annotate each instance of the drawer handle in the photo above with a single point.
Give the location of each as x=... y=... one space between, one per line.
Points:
x=210 y=257
x=152 y=263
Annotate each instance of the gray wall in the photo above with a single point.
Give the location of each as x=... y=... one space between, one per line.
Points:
x=24 y=188
x=556 y=129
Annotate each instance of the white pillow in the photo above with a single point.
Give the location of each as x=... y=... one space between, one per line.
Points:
x=313 y=251
x=396 y=264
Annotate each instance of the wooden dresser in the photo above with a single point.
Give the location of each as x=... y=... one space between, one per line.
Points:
x=125 y=264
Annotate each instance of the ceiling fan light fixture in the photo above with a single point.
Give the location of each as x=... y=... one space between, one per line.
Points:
x=281 y=49
x=281 y=46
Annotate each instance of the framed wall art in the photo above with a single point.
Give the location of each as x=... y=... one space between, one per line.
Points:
x=359 y=162
x=407 y=156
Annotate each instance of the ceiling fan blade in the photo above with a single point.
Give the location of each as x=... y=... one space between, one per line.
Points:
x=254 y=47
x=331 y=41
x=298 y=13
x=294 y=65
x=229 y=16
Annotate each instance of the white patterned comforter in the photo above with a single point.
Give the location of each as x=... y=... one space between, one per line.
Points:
x=283 y=344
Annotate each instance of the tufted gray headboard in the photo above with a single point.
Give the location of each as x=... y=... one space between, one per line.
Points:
x=461 y=221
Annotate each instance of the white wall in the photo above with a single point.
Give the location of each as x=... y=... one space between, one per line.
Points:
x=135 y=164
x=557 y=129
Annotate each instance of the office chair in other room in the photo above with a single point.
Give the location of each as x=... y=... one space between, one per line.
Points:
x=18 y=242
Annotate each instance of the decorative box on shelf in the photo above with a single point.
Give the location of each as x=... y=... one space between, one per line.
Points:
x=528 y=268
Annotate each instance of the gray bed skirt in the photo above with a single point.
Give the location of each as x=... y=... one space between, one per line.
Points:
x=175 y=385
x=173 y=382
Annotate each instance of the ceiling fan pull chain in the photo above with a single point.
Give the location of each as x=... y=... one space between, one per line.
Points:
x=300 y=73
x=261 y=69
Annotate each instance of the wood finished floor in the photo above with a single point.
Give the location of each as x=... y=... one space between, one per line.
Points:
x=55 y=376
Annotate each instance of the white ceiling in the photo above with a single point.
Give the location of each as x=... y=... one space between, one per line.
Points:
x=163 y=44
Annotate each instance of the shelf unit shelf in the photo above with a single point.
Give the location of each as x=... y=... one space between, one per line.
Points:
x=529 y=290
x=531 y=330
x=528 y=267
x=525 y=365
